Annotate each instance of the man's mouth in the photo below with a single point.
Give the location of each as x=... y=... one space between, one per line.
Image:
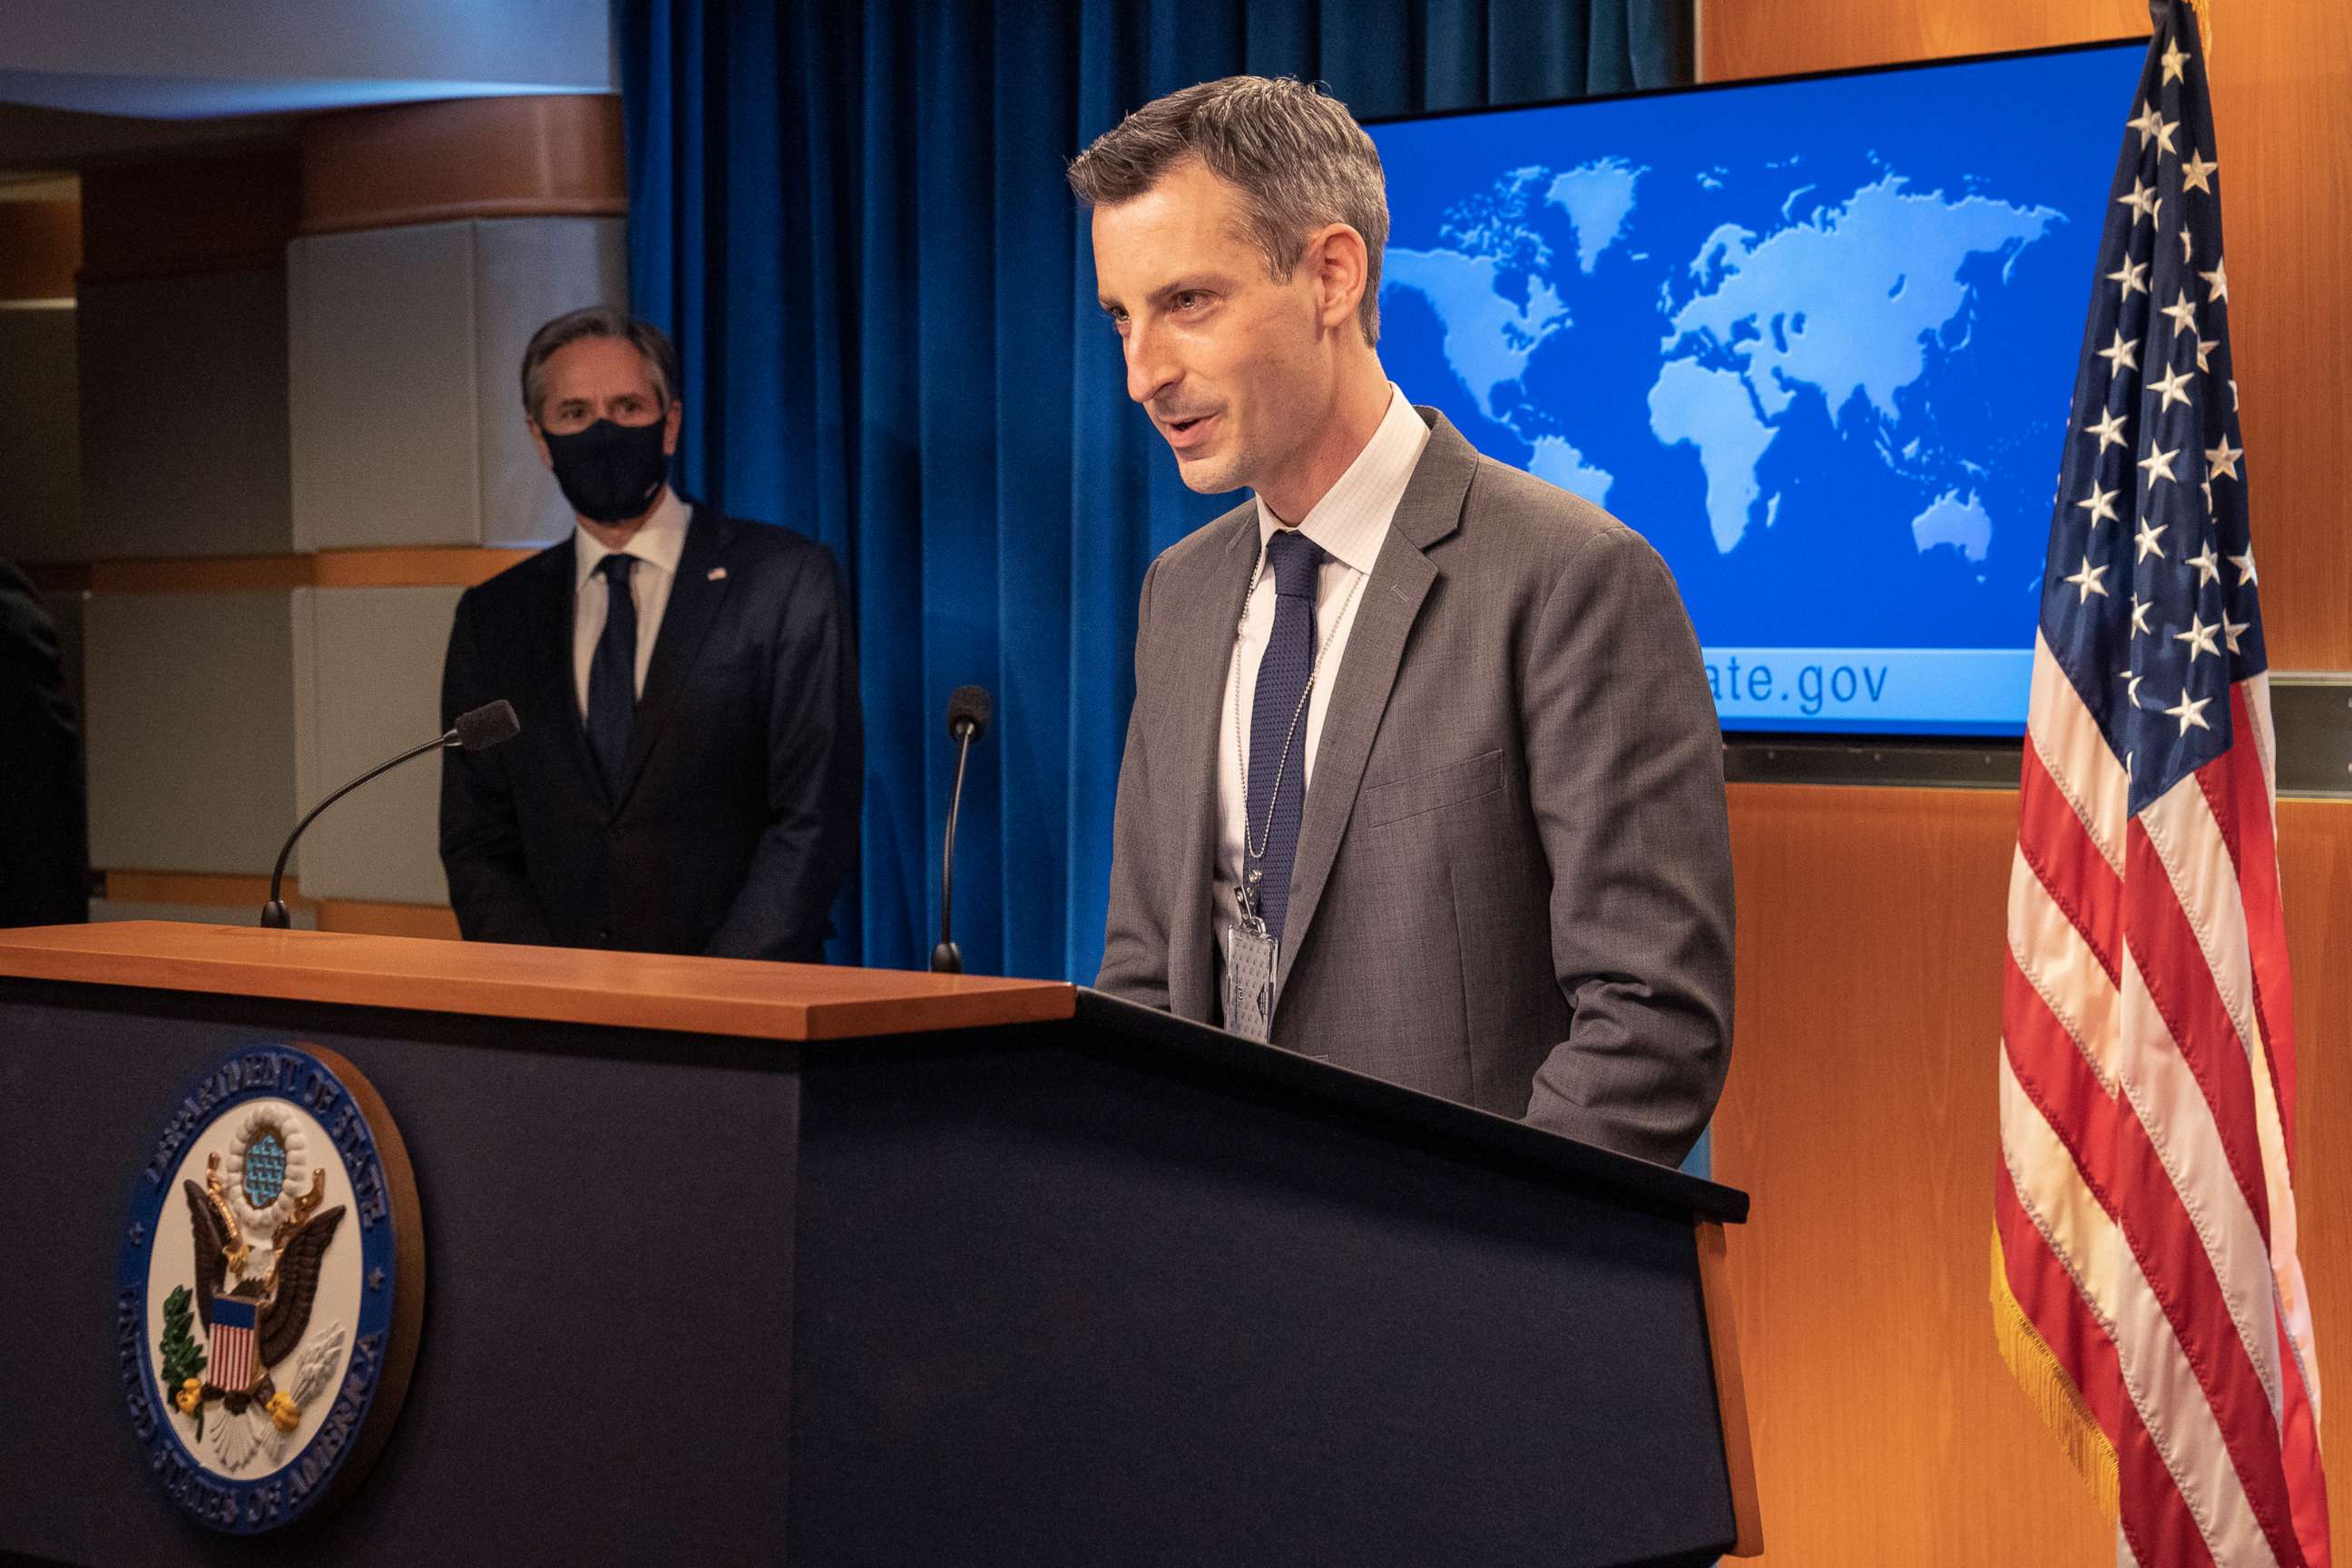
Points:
x=1185 y=432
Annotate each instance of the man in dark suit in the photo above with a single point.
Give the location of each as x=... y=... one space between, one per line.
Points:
x=688 y=773
x=1422 y=774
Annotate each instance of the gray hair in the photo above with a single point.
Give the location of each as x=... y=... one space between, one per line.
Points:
x=1299 y=156
x=598 y=321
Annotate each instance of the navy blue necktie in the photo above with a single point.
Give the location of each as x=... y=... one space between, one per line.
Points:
x=613 y=674
x=1278 y=715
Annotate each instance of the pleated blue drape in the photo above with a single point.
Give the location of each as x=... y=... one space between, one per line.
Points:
x=854 y=220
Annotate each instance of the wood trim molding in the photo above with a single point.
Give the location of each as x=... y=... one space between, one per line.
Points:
x=41 y=248
x=437 y=921
x=235 y=891
x=423 y=567
x=227 y=890
x=1731 y=1390
x=557 y=154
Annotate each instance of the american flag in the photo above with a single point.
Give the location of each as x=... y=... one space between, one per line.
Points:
x=2145 y=1287
x=231 y=1342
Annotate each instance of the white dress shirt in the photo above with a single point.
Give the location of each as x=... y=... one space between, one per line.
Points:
x=657 y=543
x=1350 y=523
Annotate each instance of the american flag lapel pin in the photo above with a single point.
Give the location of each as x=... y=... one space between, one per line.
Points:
x=716 y=574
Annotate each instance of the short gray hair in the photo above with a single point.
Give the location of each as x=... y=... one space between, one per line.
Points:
x=1299 y=156
x=598 y=321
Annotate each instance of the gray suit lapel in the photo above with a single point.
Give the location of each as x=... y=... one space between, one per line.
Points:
x=1200 y=722
x=1390 y=602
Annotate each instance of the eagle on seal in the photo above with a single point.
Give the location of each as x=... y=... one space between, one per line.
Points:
x=282 y=1296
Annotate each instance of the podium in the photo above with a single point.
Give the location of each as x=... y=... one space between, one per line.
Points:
x=735 y=1262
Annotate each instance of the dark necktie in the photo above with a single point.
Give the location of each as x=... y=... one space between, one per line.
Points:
x=1279 y=716
x=613 y=674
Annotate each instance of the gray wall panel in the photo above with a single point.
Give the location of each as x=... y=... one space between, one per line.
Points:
x=190 y=730
x=529 y=271
x=371 y=686
x=40 y=435
x=379 y=336
x=184 y=417
x=405 y=344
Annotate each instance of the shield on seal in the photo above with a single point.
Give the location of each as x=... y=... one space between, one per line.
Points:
x=231 y=1341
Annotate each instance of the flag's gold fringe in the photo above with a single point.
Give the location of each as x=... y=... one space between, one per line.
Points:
x=2050 y=1391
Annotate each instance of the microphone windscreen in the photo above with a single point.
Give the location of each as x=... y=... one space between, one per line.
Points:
x=969 y=705
x=490 y=725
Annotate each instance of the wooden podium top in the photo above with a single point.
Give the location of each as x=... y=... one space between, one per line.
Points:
x=627 y=990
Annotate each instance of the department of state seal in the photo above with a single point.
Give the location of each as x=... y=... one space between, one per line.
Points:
x=270 y=1289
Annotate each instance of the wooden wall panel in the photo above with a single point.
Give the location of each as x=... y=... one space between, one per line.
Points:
x=218 y=212
x=2282 y=73
x=1860 y=1114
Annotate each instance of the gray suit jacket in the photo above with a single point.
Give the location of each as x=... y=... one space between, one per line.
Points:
x=1513 y=885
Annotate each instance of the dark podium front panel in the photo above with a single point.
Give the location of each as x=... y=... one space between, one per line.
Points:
x=1095 y=1302
x=1113 y=1290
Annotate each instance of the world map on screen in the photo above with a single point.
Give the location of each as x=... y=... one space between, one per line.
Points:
x=1815 y=340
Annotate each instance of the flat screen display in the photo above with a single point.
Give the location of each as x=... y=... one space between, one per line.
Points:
x=1815 y=339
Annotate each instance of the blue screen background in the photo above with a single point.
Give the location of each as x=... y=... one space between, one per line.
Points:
x=1815 y=340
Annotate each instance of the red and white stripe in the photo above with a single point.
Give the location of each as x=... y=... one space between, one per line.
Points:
x=232 y=1358
x=2146 y=1207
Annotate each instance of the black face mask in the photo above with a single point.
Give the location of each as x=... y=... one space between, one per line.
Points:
x=610 y=473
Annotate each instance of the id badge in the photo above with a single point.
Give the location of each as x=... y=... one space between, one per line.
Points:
x=1252 y=955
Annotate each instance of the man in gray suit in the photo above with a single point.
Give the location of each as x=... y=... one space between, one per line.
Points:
x=1422 y=774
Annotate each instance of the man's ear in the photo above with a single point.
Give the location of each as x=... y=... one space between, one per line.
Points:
x=538 y=440
x=1341 y=264
x=670 y=423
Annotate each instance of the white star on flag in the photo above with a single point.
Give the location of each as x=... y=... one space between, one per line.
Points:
x=2198 y=636
x=2087 y=579
x=2191 y=712
x=2217 y=285
x=2131 y=277
x=2197 y=173
x=2139 y=610
x=2209 y=569
x=2222 y=461
x=2183 y=313
x=2150 y=541
x=2109 y=428
x=2101 y=505
x=2245 y=565
x=2159 y=464
x=2173 y=60
x=2229 y=630
x=2174 y=384
x=2120 y=354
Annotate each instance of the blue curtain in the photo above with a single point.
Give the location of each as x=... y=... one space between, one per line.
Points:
x=854 y=220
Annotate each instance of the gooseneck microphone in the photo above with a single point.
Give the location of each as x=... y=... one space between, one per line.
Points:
x=479 y=731
x=968 y=713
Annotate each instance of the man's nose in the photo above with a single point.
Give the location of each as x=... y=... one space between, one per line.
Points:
x=1152 y=369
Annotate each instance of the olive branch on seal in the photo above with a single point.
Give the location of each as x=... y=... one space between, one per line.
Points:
x=183 y=1357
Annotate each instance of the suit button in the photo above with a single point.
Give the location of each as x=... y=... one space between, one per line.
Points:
x=604 y=934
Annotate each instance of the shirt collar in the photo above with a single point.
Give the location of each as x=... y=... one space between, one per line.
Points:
x=1353 y=516
x=659 y=541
